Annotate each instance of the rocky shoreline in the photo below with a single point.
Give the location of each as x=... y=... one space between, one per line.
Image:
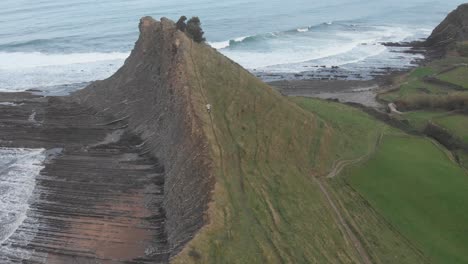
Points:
x=98 y=198
x=358 y=85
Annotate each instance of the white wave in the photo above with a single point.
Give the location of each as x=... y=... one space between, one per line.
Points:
x=324 y=48
x=225 y=44
x=288 y=55
x=20 y=71
x=302 y=29
x=21 y=60
x=18 y=169
x=219 y=45
x=10 y=104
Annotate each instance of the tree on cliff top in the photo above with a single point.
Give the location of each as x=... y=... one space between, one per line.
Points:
x=181 y=23
x=194 y=29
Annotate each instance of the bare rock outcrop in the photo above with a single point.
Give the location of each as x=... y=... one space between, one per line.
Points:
x=151 y=93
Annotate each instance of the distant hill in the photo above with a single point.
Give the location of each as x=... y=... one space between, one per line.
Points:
x=454 y=28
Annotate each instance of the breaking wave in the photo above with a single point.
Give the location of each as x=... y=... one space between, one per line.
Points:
x=341 y=43
x=18 y=170
x=20 y=71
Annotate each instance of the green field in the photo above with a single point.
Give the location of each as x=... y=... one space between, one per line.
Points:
x=456 y=124
x=394 y=229
x=357 y=135
x=421 y=192
x=414 y=84
x=458 y=76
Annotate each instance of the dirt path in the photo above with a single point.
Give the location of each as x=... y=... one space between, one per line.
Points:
x=340 y=219
x=344 y=225
x=341 y=164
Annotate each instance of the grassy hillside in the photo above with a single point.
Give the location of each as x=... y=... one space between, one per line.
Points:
x=267 y=208
x=421 y=192
x=269 y=151
x=389 y=196
x=458 y=76
x=451 y=71
x=357 y=135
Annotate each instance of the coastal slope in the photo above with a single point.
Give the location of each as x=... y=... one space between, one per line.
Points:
x=242 y=174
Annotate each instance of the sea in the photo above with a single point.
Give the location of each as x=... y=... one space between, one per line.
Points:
x=57 y=47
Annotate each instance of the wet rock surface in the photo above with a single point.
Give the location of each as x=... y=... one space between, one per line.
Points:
x=98 y=198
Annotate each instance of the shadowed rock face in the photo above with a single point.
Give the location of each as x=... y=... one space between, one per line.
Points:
x=453 y=28
x=150 y=92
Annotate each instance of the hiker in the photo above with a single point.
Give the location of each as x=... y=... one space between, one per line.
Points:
x=208 y=108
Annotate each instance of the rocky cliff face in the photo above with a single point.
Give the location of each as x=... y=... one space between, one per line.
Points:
x=453 y=29
x=150 y=92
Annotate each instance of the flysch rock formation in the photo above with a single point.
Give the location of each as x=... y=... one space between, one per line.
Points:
x=151 y=94
x=128 y=174
x=98 y=198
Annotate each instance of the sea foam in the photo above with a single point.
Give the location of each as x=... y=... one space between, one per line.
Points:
x=334 y=44
x=24 y=60
x=20 y=71
x=18 y=170
x=226 y=44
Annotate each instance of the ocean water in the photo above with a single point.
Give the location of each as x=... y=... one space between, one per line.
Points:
x=57 y=45
x=18 y=171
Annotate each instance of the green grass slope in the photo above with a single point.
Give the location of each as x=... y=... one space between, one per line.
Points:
x=406 y=199
x=458 y=76
x=456 y=124
x=356 y=135
x=266 y=207
x=421 y=192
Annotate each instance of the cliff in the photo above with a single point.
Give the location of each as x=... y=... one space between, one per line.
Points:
x=150 y=92
x=454 y=28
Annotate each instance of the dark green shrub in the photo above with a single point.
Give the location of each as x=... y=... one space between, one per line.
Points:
x=181 y=24
x=194 y=29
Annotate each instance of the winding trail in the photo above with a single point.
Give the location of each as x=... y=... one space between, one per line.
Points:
x=343 y=224
x=341 y=164
x=340 y=219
